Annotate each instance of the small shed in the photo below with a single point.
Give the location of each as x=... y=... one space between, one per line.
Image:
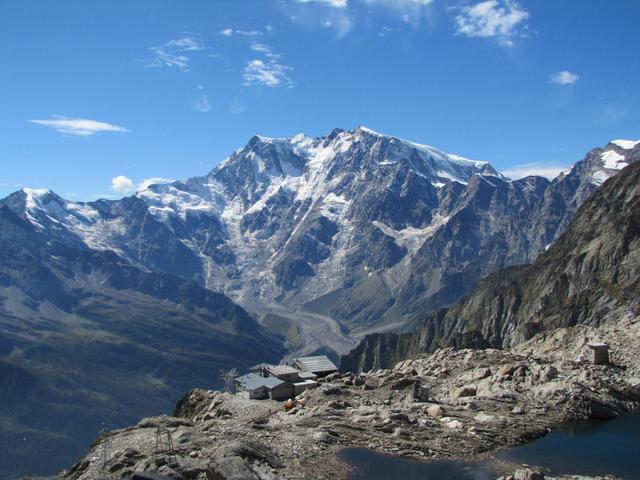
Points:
x=251 y=386
x=598 y=353
x=254 y=386
x=320 y=365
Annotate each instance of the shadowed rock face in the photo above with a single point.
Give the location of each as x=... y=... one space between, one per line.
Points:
x=590 y=275
x=89 y=342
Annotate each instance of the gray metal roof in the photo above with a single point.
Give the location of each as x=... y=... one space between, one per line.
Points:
x=321 y=363
x=282 y=370
x=251 y=381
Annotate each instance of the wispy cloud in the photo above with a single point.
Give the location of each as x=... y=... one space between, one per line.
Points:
x=122 y=184
x=228 y=32
x=270 y=73
x=237 y=106
x=78 y=126
x=330 y=3
x=175 y=53
x=564 y=78
x=404 y=6
x=504 y=20
x=262 y=48
x=202 y=104
x=546 y=170
x=345 y=15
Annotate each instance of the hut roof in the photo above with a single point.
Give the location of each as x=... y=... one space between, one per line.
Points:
x=282 y=370
x=320 y=363
x=251 y=381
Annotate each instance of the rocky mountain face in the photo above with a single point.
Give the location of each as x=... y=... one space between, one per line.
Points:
x=356 y=231
x=89 y=342
x=591 y=274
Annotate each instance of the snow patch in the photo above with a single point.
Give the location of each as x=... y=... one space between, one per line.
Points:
x=410 y=237
x=625 y=144
x=613 y=160
x=599 y=177
x=332 y=206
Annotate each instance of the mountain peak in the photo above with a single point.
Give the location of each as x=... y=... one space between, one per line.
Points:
x=33 y=196
x=625 y=144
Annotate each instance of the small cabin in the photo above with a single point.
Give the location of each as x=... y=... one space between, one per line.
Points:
x=597 y=353
x=252 y=386
x=319 y=365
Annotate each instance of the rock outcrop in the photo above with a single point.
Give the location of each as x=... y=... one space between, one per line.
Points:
x=479 y=401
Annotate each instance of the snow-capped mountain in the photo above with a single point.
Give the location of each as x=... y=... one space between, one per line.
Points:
x=357 y=227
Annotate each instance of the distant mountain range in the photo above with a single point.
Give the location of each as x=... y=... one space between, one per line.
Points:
x=590 y=275
x=109 y=310
x=362 y=231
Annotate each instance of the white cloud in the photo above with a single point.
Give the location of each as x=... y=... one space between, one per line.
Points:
x=270 y=73
x=504 y=20
x=539 y=169
x=228 y=32
x=78 y=126
x=175 y=53
x=249 y=33
x=564 y=78
x=261 y=47
x=202 y=104
x=122 y=184
x=147 y=182
x=400 y=4
x=330 y=3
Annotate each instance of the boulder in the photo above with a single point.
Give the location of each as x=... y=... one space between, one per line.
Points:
x=528 y=474
x=466 y=391
x=435 y=411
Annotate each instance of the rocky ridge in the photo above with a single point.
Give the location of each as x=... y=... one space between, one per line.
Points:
x=591 y=274
x=479 y=401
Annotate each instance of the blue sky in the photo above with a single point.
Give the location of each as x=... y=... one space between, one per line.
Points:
x=96 y=97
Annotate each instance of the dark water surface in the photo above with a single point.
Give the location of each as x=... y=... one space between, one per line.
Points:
x=377 y=466
x=587 y=448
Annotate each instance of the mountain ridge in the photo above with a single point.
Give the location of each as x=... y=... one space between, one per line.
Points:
x=589 y=275
x=365 y=229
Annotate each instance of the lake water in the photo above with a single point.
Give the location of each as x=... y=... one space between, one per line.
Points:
x=377 y=466
x=587 y=448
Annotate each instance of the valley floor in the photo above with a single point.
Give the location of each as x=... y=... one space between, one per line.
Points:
x=480 y=401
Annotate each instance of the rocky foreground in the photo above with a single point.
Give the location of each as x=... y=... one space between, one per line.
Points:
x=479 y=401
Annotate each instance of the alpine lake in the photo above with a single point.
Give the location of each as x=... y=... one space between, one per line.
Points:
x=582 y=448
